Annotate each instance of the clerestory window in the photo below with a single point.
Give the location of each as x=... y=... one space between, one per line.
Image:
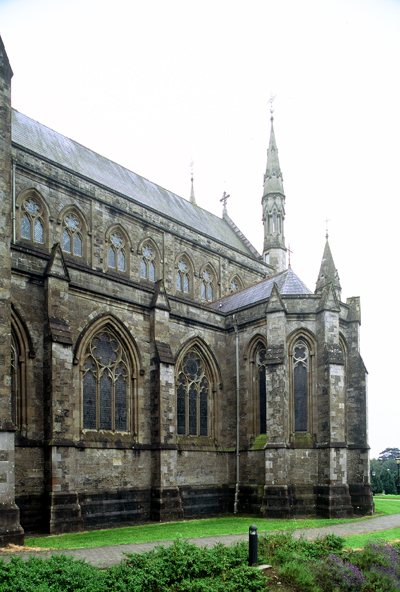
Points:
x=182 y=277
x=72 y=235
x=116 y=253
x=148 y=263
x=207 y=285
x=32 y=223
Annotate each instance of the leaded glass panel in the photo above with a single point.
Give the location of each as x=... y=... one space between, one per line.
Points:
x=77 y=245
x=143 y=269
x=192 y=396
x=300 y=386
x=121 y=261
x=179 y=282
x=32 y=207
x=38 y=232
x=203 y=290
x=26 y=227
x=186 y=284
x=89 y=401
x=111 y=258
x=105 y=402
x=181 y=405
x=210 y=292
x=203 y=407
x=120 y=404
x=192 y=411
x=66 y=241
x=152 y=271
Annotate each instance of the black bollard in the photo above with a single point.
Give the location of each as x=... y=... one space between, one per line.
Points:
x=253 y=541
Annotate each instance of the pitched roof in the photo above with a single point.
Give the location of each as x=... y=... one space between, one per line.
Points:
x=287 y=282
x=43 y=141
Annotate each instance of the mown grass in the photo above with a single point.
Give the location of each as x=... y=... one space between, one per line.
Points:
x=358 y=541
x=165 y=532
x=193 y=529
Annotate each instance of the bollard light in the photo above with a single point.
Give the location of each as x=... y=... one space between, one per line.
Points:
x=253 y=543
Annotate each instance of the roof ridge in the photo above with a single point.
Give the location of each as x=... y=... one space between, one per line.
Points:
x=240 y=234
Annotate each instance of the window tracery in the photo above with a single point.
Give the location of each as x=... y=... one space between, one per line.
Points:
x=193 y=391
x=235 y=284
x=116 y=253
x=182 y=276
x=105 y=384
x=32 y=223
x=72 y=235
x=148 y=263
x=207 y=285
x=300 y=369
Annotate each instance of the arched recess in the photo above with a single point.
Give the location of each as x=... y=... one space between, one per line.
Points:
x=184 y=275
x=21 y=350
x=301 y=354
x=234 y=284
x=343 y=347
x=32 y=223
x=74 y=233
x=149 y=265
x=208 y=283
x=109 y=366
x=197 y=378
x=117 y=249
x=257 y=355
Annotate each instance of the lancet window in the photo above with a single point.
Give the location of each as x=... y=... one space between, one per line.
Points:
x=72 y=235
x=193 y=393
x=183 y=277
x=235 y=284
x=105 y=384
x=32 y=223
x=148 y=263
x=262 y=388
x=300 y=369
x=116 y=253
x=207 y=285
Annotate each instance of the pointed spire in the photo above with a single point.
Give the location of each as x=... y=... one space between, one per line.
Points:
x=328 y=274
x=192 y=197
x=273 y=181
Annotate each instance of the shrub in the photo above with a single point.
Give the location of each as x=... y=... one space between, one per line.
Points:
x=334 y=574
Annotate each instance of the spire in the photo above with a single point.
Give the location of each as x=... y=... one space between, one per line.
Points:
x=273 y=181
x=192 y=197
x=273 y=202
x=328 y=273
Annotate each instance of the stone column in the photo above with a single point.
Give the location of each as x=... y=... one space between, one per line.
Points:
x=10 y=529
x=275 y=502
x=166 y=502
x=60 y=400
x=332 y=492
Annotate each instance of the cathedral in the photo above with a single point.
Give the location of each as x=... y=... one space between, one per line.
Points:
x=154 y=365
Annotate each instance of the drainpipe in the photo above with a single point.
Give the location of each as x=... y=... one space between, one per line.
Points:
x=13 y=202
x=235 y=506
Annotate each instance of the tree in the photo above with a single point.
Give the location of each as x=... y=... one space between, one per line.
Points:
x=389 y=454
x=388 y=482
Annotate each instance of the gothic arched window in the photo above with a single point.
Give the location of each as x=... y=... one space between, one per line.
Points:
x=116 y=253
x=300 y=369
x=183 y=276
x=193 y=392
x=72 y=235
x=207 y=284
x=235 y=284
x=32 y=223
x=105 y=384
x=262 y=388
x=148 y=263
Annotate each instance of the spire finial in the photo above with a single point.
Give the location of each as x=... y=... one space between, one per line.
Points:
x=271 y=105
x=223 y=200
x=192 y=197
x=326 y=223
x=290 y=252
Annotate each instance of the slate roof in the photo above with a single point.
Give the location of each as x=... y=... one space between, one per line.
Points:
x=43 y=141
x=287 y=282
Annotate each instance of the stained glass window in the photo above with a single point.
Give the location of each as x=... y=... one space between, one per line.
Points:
x=116 y=253
x=262 y=390
x=192 y=396
x=32 y=224
x=147 y=263
x=182 y=277
x=207 y=290
x=72 y=235
x=300 y=385
x=105 y=384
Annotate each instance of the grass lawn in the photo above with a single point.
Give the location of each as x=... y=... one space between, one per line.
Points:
x=360 y=540
x=199 y=528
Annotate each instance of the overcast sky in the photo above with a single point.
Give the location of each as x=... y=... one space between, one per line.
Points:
x=154 y=84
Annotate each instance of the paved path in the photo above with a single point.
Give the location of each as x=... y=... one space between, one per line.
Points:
x=107 y=556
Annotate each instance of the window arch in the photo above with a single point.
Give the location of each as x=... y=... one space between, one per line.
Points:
x=148 y=260
x=195 y=379
x=32 y=216
x=73 y=230
x=118 y=247
x=235 y=284
x=301 y=374
x=21 y=349
x=184 y=275
x=106 y=383
x=208 y=286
